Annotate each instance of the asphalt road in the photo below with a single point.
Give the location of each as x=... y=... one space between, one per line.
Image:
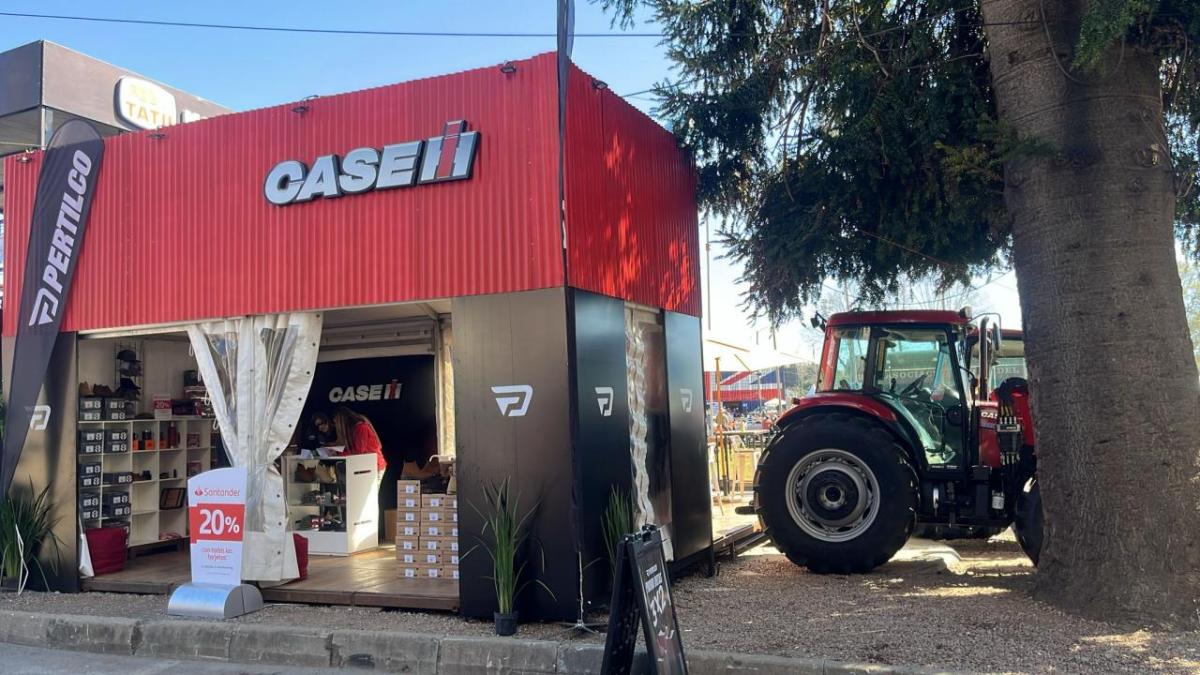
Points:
x=20 y=660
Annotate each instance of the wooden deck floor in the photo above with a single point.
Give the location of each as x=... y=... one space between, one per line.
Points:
x=367 y=579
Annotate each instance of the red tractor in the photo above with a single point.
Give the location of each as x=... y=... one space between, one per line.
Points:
x=899 y=432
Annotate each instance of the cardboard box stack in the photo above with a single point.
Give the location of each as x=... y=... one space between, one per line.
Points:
x=426 y=533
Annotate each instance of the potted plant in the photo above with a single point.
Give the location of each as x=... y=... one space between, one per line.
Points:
x=617 y=521
x=505 y=535
x=26 y=525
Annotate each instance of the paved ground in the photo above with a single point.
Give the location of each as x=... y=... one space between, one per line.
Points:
x=965 y=608
x=19 y=660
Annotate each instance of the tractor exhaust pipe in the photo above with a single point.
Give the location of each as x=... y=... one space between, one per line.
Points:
x=985 y=359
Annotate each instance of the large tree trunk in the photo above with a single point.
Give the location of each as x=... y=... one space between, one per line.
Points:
x=1115 y=390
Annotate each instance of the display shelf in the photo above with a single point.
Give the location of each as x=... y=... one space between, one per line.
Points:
x=147 y=522
x=359 y=511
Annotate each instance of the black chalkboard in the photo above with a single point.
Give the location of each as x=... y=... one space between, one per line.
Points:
x=642 y=594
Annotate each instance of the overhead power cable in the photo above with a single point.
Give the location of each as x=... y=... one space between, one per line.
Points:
x=324 y=31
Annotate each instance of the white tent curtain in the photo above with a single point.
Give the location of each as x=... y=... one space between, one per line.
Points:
x=258 y=370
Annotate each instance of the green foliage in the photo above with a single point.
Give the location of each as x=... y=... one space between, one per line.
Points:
x=860 y=140
x=26 y=526
x=505 y=535
x=617 y=522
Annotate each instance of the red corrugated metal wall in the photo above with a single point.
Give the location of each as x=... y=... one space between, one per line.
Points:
x=632 y=228
x=180 y=229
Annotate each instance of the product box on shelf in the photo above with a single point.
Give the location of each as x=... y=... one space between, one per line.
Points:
x=118 y=477
x=408 y=487
x=407 y=530
x=116 y=498
x=89 y=500
x=116 y=435
x=450 y=572
x=407 y=557
x=408 y=570
x=118 y=409
x=408 y=516
x=91 y=448
x=90 y=469
x=427 y=571
x=116 y=447
x=89 y=481
x=439 y=530
x=91 y=436
x=439 y=543
x=92 y=403
x=115 y=510
x=407 y=544
x=92 y=513
x=91 y=415
x=408 y=502
x=438 y=501
x=439 y=515
x=429 y=558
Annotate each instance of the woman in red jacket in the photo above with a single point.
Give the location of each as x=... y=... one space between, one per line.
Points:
x=355 y=431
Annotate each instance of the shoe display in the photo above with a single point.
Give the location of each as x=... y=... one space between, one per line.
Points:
x=305 y=474
x=326 y=473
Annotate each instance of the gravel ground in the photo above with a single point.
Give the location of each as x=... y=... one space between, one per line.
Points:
x=928 y=607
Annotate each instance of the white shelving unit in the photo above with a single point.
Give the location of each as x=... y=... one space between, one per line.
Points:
x=147 y=522
x=358 y=510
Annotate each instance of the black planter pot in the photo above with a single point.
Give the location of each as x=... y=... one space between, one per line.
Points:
x=506 y=624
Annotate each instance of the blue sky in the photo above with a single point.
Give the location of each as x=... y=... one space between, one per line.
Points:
x=251 y=69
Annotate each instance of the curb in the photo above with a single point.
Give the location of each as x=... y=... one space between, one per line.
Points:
x=373 y=650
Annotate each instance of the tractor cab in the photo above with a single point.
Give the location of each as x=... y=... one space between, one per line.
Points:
x=910 y=363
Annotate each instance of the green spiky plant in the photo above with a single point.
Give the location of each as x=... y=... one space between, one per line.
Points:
x=617 y=521
x=505 y=533
x=31 y=517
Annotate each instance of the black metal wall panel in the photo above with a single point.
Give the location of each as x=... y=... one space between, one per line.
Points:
x=512 y=420
x=691 y=502
x=49 y=458
x=601 y=432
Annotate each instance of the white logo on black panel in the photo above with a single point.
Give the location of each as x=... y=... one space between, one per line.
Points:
x=513 y=399
x=685 y=400
x=40 y=418
x=604 y=398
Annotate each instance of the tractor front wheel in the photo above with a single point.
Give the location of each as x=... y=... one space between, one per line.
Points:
x=836 y=494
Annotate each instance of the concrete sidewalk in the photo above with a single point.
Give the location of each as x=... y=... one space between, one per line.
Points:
x=392 y=652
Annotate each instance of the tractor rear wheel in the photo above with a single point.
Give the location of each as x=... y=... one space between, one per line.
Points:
x=836 y=493
x=1028 y=522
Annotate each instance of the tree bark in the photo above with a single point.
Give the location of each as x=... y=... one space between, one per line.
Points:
x=1115 y=389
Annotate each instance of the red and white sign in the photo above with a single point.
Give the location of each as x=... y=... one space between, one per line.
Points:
x=216 y=519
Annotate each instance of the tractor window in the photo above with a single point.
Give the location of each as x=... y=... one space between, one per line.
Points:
x=915 y=367
x=847 y=360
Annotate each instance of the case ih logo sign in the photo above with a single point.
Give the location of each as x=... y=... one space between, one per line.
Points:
x=366 y=392
x=434 y=160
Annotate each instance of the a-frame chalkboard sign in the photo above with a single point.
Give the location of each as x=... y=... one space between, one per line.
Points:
x=642 y=594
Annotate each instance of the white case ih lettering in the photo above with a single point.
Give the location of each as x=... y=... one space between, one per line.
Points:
x=433 y=160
